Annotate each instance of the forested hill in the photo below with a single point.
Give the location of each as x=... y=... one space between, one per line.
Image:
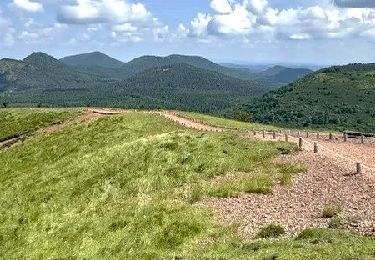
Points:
x=182 y=86
x=143 y=63
x=284 y=74
x=102 y=65
x=92 y=59
x=45 y=81
x=41 y=71
x=340 y=97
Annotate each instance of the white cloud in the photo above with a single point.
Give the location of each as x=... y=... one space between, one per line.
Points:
x=28 y=5
x=103 y=11
x=7 y=31
x=256 y=19
x=257 y=6
x=221 y=6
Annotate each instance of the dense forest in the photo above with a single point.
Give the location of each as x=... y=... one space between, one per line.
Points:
x=340 y=97
x=41 y=80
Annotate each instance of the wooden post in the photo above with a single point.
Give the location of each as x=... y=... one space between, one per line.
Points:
x=359 y=168
x=286 y=138
x=264 y=134
x=317 y=135
x=300 y=143
x=330 y=136
x=316 y=147
x=362 y=139
x=307 y=134
x=345 y=137
x=274 y=135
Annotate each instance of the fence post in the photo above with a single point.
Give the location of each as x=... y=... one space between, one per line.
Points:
x=362 y=139
x=300 y=143
x=359 y=168
x=264 y=134
x=330 y=136
x=317 y=135
x=316 y=147
x=286 y=138
x=274 y=135
x=345 y=137
x=307 y=134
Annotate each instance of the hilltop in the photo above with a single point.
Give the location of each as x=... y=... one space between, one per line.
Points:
x=340 y=97
x=284 y=74
x=92 y=59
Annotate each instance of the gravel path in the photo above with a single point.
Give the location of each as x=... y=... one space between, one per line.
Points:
x=300 y=205
x=329 y=179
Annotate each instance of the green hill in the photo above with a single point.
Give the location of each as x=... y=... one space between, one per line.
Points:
x=340 y=97
x=43 y=80
x=125 y=187
x=40 y=71
x=284 y=74
x=143 y=63
x=96 y=59
x=182 y=86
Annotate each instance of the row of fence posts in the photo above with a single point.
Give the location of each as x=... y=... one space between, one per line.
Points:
x=316 y=144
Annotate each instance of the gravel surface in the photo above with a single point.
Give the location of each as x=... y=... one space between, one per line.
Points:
x=300 y=205
x=330 y=179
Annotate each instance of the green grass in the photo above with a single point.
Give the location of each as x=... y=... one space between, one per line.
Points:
x=16 y=122
x=227 y=123
x=121 y=187
x=330 y=211
x=271 y=231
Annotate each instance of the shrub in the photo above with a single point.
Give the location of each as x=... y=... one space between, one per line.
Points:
x=270 y=231
x=330 y=211
x=335 y=223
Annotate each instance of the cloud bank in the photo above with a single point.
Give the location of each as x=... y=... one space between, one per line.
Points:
x=256 y=19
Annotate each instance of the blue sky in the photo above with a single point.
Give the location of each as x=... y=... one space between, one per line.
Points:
x=242 y=31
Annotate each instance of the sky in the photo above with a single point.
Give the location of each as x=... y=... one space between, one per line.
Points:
x=233 y=31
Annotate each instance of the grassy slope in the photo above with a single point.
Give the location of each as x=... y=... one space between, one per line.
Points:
x=16 y=122
x=226 y=123
x=120 y=188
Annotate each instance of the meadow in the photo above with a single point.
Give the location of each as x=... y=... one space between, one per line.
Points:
x=127 y=187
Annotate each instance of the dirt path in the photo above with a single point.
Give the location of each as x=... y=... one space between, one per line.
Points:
x=189 y=123
x=88 y=116
x=328 y=180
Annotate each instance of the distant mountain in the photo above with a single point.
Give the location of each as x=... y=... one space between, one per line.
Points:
x=44 y=80
x=182 y=86
x=96 y=59
x=41 y=71
x=340 y=97
x=285 y=75
x=148 y=62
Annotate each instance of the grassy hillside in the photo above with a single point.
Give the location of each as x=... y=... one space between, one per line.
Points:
x=123 y=187
x=341 y=98
x=92 y=59
x=26 y=121
x=226 y=123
